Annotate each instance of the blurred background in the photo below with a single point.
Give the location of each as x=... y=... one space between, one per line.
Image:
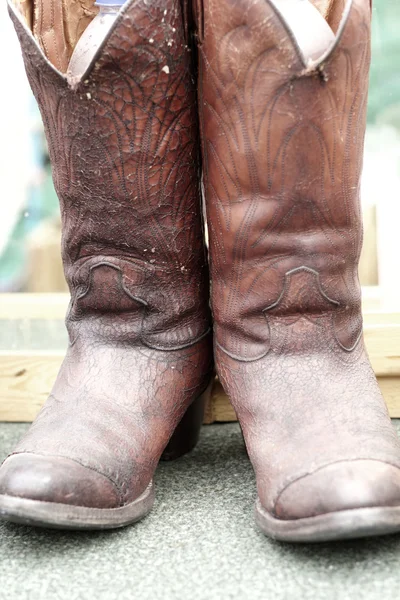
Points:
x=29 y=213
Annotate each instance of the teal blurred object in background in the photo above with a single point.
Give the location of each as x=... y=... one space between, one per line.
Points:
x=41 y=205
x=384 y=91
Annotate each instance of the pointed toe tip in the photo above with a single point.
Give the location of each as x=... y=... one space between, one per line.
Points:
x=338 y=487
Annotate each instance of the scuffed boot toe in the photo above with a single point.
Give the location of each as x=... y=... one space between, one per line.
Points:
x=344 y=500
x=56 y=479
x=59 y=492
x=340 y=486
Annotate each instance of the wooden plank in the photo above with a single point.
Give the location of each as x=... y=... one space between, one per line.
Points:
x=26 y=377
x=25 y=383
x=390 y=388
x=383 y=346
x=221 y=410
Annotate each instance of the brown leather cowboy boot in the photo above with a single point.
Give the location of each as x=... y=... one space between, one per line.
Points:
x=283 y=125
x=123 y=145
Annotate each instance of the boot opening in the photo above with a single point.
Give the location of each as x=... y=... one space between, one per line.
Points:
x=331 y=10
x=57 y=25
x=313 y=23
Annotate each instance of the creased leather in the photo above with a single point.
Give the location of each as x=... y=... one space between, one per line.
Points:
x=282 y=152
x=123 y=145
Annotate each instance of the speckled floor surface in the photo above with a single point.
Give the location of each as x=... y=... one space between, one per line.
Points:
x=200 y=542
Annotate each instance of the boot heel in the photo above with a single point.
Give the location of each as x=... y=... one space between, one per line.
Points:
x=186 y=435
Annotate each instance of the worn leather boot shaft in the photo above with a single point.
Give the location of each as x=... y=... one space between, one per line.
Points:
x=283 y=144
x=123 y=145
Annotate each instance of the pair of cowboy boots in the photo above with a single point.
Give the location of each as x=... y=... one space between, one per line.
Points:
x=282 y=100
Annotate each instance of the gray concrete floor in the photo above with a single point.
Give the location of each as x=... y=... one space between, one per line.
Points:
x=200 y=542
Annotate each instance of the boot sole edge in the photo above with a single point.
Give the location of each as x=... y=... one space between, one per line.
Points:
x=54 y=515
x=340 y=525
